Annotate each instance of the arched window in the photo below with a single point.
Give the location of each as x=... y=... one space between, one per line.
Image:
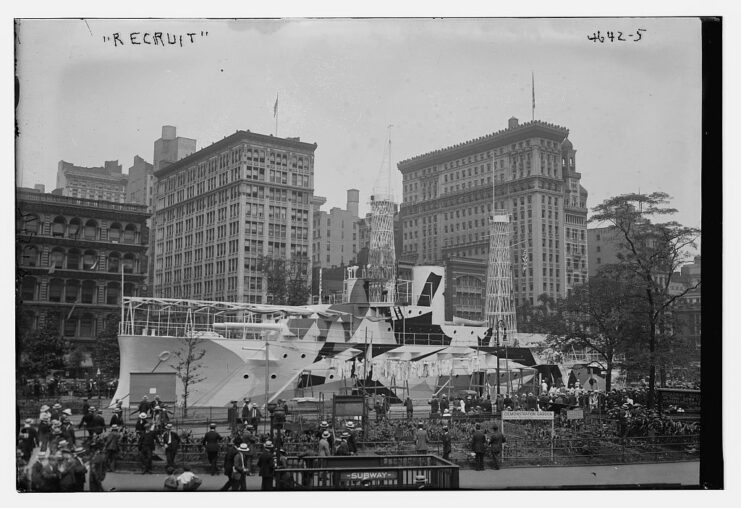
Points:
x=90 y=260
x=129 y=235
x=91 y=230
x=112 y=293
x=73 y=259
x=75 y=228
x=72 y=291
x=56 y=257
x=56 y=289
x=30 y=256
x=28 y=289
x=29 y=224
x=88 y=292
x=87 y=325
x=59 y=226
x=114 y=232
x=114 y=260
x=129 y=263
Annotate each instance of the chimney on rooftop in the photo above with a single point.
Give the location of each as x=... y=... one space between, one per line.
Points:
x=513 y=122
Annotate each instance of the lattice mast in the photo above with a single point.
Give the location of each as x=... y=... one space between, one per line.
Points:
x=381 y=270
x=499 y=303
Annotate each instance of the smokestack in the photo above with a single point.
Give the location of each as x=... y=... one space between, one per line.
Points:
x=513 y=122
x=169 y=132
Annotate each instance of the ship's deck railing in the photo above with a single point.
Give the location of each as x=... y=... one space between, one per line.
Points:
x=207 y=331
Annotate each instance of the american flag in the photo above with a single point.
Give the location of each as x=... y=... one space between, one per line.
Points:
x=275 y=108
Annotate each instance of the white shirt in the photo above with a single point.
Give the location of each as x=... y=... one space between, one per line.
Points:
x=185 y=477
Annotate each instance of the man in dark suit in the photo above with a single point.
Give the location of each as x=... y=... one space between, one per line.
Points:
x=172 y=443
x=445 y=438
x=147 y=444
x=495 y=441
x=266 y=465
x=231 y=451
x=478 y=446
x=211 y=443
x=111 y=447
x=254 y=415
x=116 y=419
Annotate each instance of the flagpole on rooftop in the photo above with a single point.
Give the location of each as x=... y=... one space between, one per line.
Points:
x=275 y=114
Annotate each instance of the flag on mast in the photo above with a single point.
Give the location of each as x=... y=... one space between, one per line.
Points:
x=275 y=107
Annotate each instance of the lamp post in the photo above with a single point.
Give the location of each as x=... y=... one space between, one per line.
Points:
x=504 y=328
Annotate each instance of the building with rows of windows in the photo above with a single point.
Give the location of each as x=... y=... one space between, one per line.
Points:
x=222 y=208
x=448 y=201
x=70 y=254
x=103 y=183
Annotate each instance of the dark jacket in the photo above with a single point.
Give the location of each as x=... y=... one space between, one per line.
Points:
x=445 y=438
x=141 y=425
x=211 y=441
x=98 y=424
x=112 y=442
x=117 y=420
x=171 y=439
x=148 y=441
x=229 y=460
x=496 y=440
x=478 y=442
x=266 y=465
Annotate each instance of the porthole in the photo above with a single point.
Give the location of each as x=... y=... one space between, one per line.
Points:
x=303 y=355
x=246 y=376
x=455 y=331
x=331 y=376
x=285 y=355
x=273 y=376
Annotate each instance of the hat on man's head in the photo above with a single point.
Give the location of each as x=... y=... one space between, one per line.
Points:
x=213 y=425
x=350 y=425
x=67 y=412
x=144 y=397
x=168 y=426
x=268 y=444
x=345 y=434
x=79 y=450
x=325 y=434
x=41 y=455
x=114 y=426
x=143 y=415
x=243 y=447
x=324 y=424
x=44 y=408
x=28 y=421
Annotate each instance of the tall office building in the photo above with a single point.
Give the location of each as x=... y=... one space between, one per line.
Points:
x=106 y=183
x=218 y=210
x=448 y=201
x=336 y=233
x=603 y=246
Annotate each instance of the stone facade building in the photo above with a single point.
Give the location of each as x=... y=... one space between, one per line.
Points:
x=70 y=254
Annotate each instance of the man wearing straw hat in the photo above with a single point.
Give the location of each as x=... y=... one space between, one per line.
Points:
x=239 y=473
x=266 y=465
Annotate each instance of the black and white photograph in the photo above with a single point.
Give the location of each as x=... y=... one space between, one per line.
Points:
x=366 y=254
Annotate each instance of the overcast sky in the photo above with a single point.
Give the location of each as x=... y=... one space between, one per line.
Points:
x=633 y=108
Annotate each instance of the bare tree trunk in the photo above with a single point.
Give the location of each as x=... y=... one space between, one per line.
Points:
x=608 y=376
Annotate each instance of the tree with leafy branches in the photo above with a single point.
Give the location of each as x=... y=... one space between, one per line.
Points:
x=287 y=280
x=43 y=351
x=106 y=353
x=650 y=253
x=597 y=316
x=188 y=366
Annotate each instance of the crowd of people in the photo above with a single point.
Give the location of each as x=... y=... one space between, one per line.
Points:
x=53 y=454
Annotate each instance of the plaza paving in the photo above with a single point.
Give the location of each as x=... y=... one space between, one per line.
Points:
x=667 y=475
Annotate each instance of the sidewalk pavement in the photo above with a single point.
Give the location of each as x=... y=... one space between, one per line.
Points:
x=666 y=475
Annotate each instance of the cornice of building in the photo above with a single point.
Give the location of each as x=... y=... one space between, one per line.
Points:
x=484 y=143
x=239 y=136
